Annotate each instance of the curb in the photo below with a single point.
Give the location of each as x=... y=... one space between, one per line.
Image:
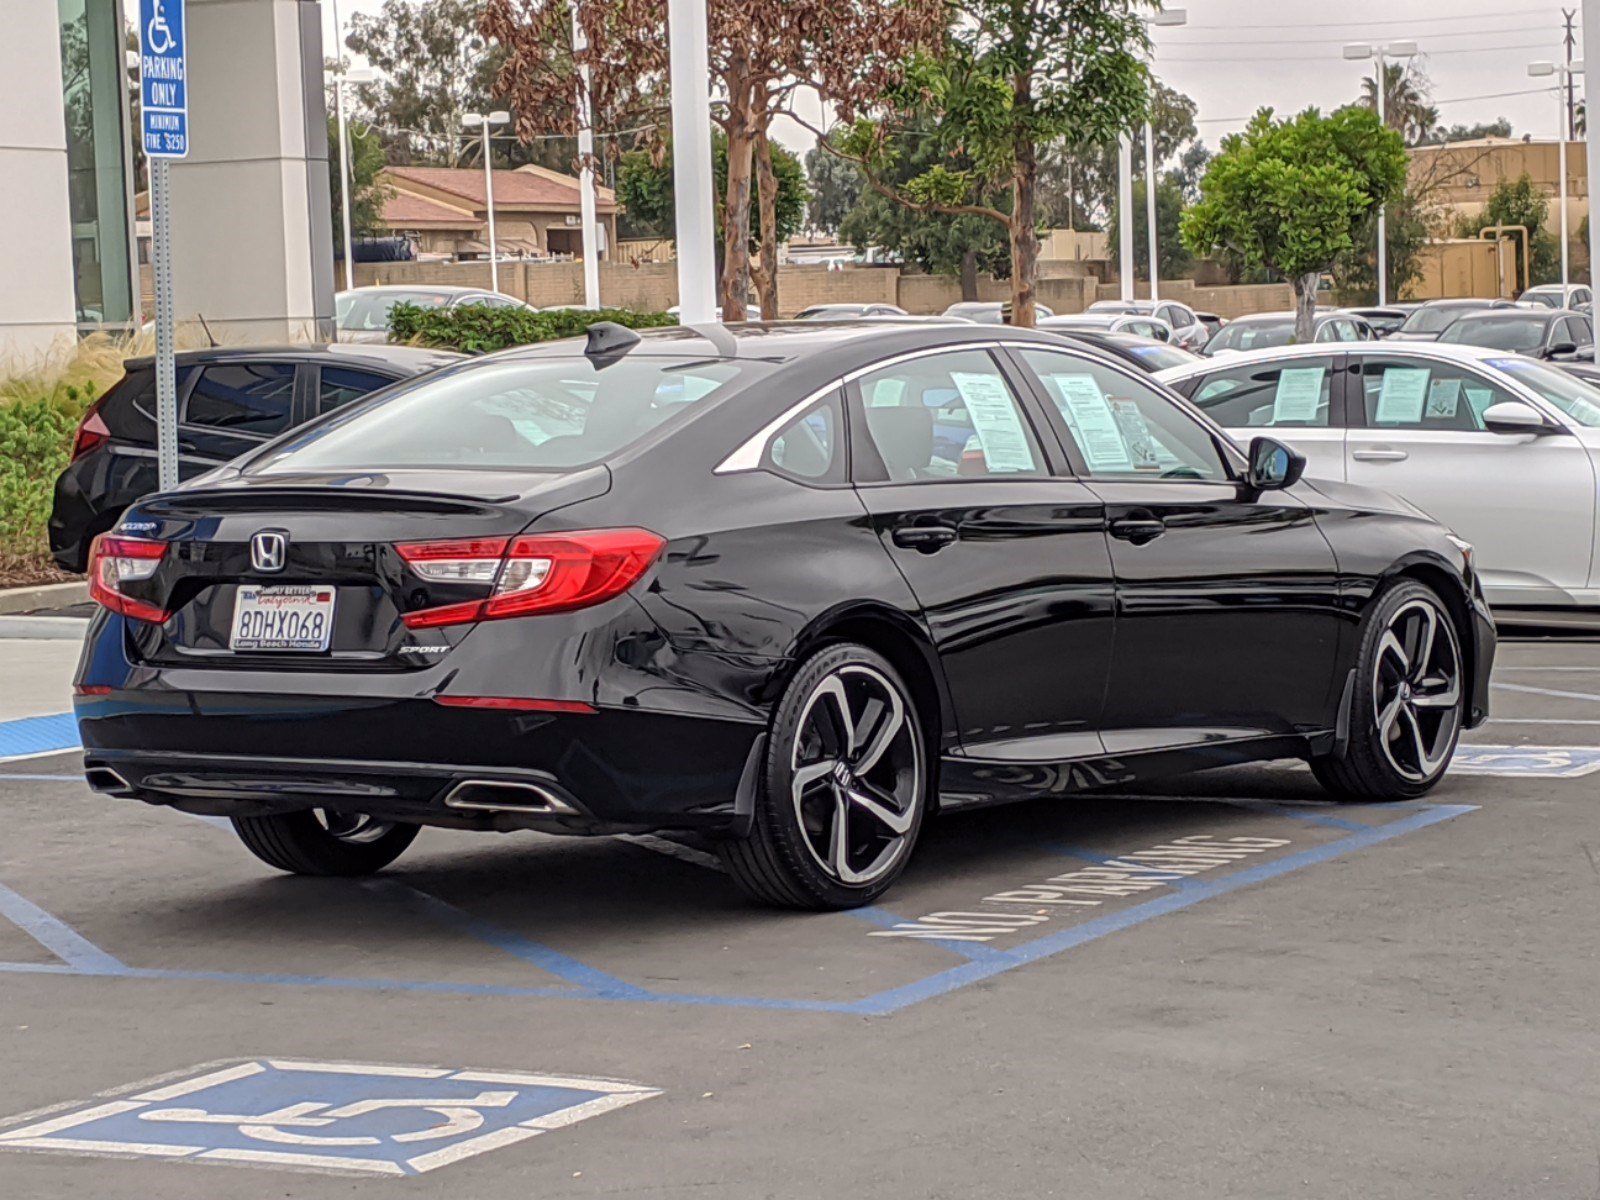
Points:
x=63 y=629
x=48 y=595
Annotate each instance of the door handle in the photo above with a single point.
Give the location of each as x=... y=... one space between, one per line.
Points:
x=927 y=539
x=1379 y=455
x=1138 y=530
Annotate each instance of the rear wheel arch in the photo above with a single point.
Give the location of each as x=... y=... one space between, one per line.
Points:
x=893 y=635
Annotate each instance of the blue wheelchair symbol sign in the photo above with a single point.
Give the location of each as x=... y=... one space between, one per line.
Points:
x=163 y=78
x=1549 y=762
x=357 y=1118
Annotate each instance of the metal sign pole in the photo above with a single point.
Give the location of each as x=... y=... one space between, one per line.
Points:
x=164 y=92
x=166 y=366
x=586 y=192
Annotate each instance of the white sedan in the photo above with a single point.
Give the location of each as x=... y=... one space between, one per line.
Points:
x=1503 y=449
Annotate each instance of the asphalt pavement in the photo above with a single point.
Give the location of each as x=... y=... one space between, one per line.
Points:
x=1222 y=987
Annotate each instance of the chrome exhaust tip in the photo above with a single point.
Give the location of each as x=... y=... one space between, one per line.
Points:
x=500 y=795
x=107 y=782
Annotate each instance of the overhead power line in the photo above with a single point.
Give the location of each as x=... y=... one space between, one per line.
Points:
x=1291 y=26
x=1272 y=58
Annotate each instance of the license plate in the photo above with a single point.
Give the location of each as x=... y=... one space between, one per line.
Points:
x=282 y=618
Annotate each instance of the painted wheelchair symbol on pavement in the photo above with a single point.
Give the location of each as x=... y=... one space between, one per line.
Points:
x=360 y=1118
x=1548 y=762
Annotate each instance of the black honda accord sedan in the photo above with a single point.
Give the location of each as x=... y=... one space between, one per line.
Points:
x=795 y=587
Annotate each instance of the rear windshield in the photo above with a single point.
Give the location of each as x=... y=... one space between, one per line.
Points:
x=1498 y=333
x=1252 y=336
x=539 y=415
x=370 y=310
x=1431 y=320
x=1158 y=356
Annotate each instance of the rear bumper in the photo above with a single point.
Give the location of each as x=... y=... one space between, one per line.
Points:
x=411 y=760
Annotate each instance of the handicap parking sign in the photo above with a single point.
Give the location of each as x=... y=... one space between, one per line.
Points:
x=358 y=1118
x=1548 y=762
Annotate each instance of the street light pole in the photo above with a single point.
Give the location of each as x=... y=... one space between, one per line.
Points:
x=1382 y=54
x=1166 y=17
x=1565 y=74
x=344 y=148
x=586 y=192
x=1125 y=216
x=690 y=80
x=486 y=121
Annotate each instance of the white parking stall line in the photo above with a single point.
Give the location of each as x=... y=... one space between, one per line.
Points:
x=435 y=1159
x=336 y=1068
x=188 y=1086
x=43 y=1128
x=1537 y=691
x=280 y=1158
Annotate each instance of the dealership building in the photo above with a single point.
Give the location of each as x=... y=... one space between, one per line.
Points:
x=252 y=250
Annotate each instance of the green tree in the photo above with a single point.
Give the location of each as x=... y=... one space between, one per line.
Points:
x=1520 y=201
x=1292 y=195
x=1175 y=256
x=1012 y=79
x=367 y=189
x=836 y=185
x=1498 y=128
x=1355 y=272
x=942 y=244
x=1405 y=101
x=644 y=185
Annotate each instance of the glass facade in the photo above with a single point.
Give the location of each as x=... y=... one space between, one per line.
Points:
x=94 y=90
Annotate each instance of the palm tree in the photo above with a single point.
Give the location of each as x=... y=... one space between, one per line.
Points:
x=1405 y=101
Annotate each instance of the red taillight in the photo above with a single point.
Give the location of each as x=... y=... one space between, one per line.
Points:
x=516 y=704
x=538 y=573
x=92 y=432
x=114 y=561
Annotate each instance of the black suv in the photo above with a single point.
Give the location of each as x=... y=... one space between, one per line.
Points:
x=229 y=401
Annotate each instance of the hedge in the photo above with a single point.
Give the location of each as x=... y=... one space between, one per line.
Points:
x=478 y=329
x=36 y=432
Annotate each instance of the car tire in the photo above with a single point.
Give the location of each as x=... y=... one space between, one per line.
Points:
x=1408 y=704
x=847 y=745
x=317 y=842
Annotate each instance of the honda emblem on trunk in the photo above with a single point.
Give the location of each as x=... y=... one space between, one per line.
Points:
x=269 y=551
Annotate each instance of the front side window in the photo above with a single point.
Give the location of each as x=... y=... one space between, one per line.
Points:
x=1124 y=429
x=1422 y=395
x=1578 y=399
x=1278 y=395
x=540 y=414
x=945 y=416
x=340 y=385
x=247 y=398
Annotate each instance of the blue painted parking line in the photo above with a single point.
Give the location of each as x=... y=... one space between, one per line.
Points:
x=80 y=957
x=355 y=1118
x=32 y=737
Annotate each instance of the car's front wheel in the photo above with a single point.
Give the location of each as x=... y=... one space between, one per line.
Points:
x=845 y=786
x=322 y=842
x=1408 y=704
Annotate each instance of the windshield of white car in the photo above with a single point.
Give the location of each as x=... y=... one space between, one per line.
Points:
x=370 y=310
x=1579 y=400
x=1253 y=335
x=1498 y=333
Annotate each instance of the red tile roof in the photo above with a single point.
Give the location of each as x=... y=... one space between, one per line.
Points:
x=548 y=191
x=403 y=210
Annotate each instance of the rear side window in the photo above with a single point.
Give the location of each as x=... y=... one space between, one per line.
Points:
x=246 y=398
x=535 y=414
x=340 y=385
x=1268 y=395
x=811 y=448
x=946 y=416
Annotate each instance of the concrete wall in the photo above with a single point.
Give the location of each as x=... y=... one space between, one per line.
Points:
x=252 y=234
x=653 y=287
x=1229 y=302
x=37 y=305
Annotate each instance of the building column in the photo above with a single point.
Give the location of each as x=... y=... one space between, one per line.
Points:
x=37 y=305
x=252 y=232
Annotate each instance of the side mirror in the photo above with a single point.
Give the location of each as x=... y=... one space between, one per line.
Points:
x=1513 y=416
x=1561 y=350
x=1273 y=466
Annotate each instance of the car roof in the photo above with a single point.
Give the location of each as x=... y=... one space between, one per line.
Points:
x=347 y=354
x=1463 y=302
x=1516 y=314
x=787 y=341
x=452 y=289
x=1099 y=319
x=1454 y=351
x=1322 y=314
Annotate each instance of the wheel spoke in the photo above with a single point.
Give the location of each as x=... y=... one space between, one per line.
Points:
x=839 y=850
x=1389 y=646
x=1388 y=717
x=889 y=724
x=897 y=823
x=844 y=723
x=805 y=776
x=1425 y=764
x=1426 y=634
x=1439 y=693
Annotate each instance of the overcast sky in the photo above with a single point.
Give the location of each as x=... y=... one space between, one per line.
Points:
x=1235 y=56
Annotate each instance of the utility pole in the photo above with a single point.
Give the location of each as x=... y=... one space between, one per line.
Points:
x=1570 y=42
